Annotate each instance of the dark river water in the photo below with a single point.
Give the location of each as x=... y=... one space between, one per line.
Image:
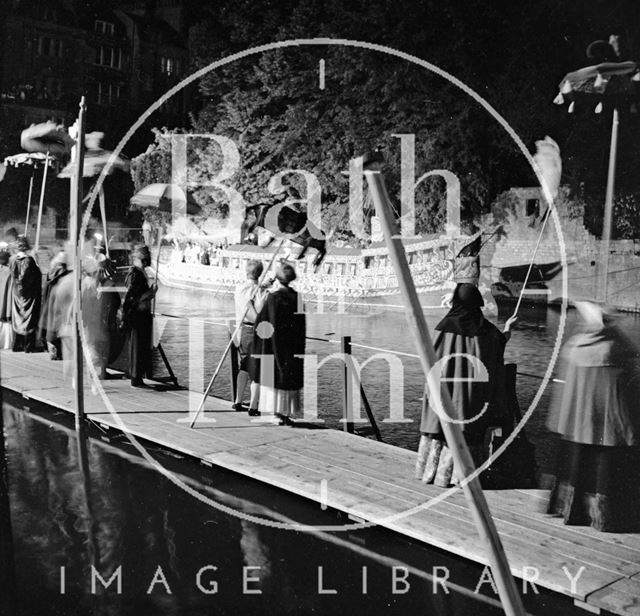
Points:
x=67 y=505
x=530 y=348
x=71 y=512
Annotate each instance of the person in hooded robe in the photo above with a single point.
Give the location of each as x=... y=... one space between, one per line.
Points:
x=100 y=304
x=48 y=328
x=6 y=301
x=138 y=319
x=477 y=388
x=27 y=292
x=595 y=412
x=280 y=330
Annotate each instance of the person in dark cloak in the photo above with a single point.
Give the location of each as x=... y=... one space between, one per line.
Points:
x=27 y=292
x=138 y=320
x=100 y=304
x=480 y=399
x=596 y=415
x=6 y=301
x=204 y=255
x=280 y=332
x=48 y=328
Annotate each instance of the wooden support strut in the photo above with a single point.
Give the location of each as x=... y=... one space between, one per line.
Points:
x=41 y=203
x=26 y=223
x=233 y=360
x=608 y=207
x=369 y=412
x=352 y=379
x=74 y=235
x=103 y=215
x=454 y=436
x=347 y=405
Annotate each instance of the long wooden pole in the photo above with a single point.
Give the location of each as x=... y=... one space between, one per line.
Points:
x=608 y=206
x=74 y=236
x=103 y=215
x=153 y=311
x=228 y=347
x=41 y=204
x=454 y=436
x=26 y=224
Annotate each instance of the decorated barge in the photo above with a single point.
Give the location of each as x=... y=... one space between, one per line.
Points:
x=436 y=262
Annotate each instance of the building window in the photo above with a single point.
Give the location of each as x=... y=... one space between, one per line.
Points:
x=533 y=207
x=108 y=93
x=108 y=56
x=168 y=66
x=50 y=47
x=103 y=27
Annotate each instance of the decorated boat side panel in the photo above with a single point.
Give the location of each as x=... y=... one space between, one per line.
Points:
x=349 y=273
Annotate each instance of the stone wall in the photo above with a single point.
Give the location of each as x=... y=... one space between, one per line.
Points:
x=583 y=250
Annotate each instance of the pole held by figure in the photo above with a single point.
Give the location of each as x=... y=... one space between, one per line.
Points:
x=496 y=556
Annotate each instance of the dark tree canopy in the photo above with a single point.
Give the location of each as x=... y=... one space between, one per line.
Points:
x=513 y=54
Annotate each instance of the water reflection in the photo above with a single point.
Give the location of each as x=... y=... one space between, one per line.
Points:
x=530 y=347
x=174 y=555
x=7 y=567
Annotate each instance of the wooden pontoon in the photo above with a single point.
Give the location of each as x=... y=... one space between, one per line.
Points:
x=368 y=480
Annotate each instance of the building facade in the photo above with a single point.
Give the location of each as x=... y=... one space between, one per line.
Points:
x=121 y=58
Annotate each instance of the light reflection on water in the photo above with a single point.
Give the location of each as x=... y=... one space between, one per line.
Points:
x=133 y=517
x=530 y=348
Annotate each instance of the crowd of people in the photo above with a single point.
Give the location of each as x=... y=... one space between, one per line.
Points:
x=593 y=412
x=270 y=338
x=37 y=311
x=197 y=253
x=594 y=481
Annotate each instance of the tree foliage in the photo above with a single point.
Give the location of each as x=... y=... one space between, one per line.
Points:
x=513 y=54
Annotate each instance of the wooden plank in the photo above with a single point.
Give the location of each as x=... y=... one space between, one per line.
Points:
x=191 y=446
x=22 y=384
x=595 y=540
x=514 y=508
x=621 y=597
x=447 y=526
x=197 y=443
x=531 y=500
x=364 y=478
